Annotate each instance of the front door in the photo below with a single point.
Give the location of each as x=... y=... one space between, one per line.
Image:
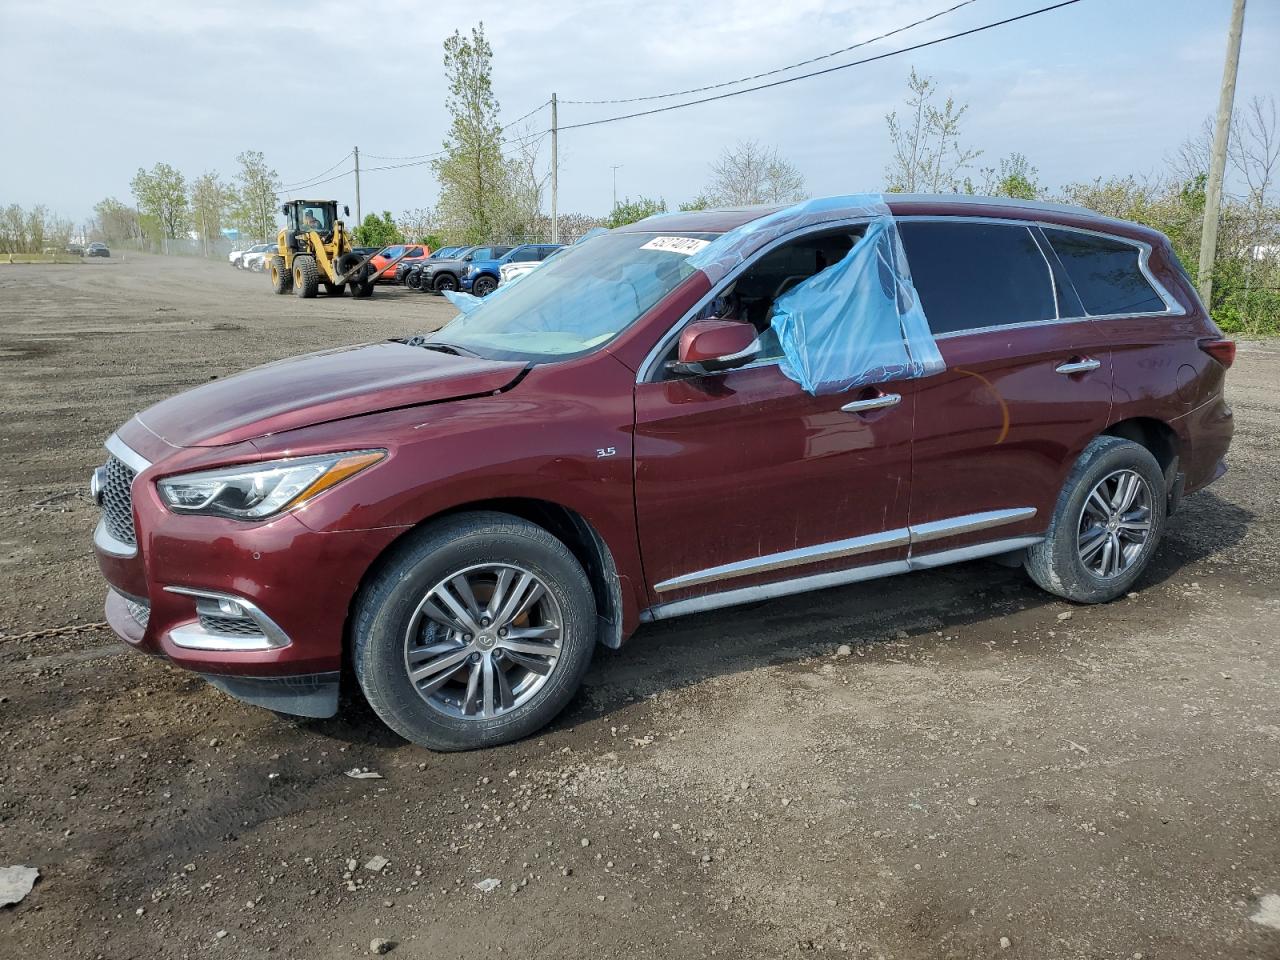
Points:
x=744 y=483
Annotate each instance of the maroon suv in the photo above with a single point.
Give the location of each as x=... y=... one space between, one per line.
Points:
x=614 y=439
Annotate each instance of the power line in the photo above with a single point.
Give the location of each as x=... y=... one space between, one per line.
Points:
x=428 y=156
x=818 y=73
x=792 y=66
x=307 y=180
x=308 y=186
x=545 y=103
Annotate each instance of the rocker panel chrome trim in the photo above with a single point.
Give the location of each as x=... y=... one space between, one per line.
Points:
x=837 y=549
x=801 y=556
x=875 y=571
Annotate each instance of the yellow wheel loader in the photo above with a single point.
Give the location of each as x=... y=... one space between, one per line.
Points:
x=314 y=251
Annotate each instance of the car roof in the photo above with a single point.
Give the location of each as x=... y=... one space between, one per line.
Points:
x=723 y=219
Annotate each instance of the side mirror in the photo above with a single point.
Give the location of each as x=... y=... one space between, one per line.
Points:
x=346 y=211
x=285 y=209
x=710 y=346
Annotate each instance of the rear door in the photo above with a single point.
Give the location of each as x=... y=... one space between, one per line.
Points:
x=1027 y=382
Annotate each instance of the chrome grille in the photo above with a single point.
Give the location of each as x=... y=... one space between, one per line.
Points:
x=230 y=626
x=140 y=610
x=117 y=500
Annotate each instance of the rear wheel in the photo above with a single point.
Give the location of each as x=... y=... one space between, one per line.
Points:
x=1106 y=525
x=446 y=281
x=476 y=632
x=484 y=286
x=306 y=276
x=281 y=278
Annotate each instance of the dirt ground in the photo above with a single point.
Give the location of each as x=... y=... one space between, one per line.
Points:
x=982 y=776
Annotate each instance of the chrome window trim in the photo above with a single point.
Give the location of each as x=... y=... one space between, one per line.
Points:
x=193 y=636
x=649 y=367
x=837 y=549
x=1172 y=307
x=836 y=578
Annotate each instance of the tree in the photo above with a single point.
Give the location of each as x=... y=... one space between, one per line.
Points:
x=258 y=195
x=115 y=221
x=1016 y=177
x=211 y=200
x=473 y=173
x=378 y=231
x=927 y=153
x=162 y=193
x=751 y=173
x=629 y=211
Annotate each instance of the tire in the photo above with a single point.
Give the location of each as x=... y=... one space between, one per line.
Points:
x=362 y=289
x=333 y=289
x=306 y=276
x=1091 y=553
x=281 y=278
x=443 y=282
x=389 y=624
x=411 y=281
x=484 y=286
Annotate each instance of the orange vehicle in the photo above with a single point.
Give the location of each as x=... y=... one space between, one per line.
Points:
x=384 y=261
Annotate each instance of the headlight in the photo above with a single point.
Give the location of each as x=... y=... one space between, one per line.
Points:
x=259 y=490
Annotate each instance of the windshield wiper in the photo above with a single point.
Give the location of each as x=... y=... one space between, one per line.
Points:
x=420 y=340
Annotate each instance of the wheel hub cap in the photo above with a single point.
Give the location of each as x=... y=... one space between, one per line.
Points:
x=1115 y=524
x=483 y=641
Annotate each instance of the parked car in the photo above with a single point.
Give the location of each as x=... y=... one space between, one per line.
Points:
x=363 y=252
x=97 y=249
x=442 y=275
x=384 y=260
x=509 y=271
x=406 y=266
x=465 y=515
x=255 y=257
x=413 y=278
x=75 y=249
x=481 y=277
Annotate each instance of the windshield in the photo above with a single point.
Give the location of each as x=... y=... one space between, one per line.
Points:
x=578 y=301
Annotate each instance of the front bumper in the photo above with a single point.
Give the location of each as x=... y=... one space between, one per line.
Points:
x=239 y=601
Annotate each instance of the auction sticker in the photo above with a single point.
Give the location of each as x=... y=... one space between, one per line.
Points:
x=685 y=246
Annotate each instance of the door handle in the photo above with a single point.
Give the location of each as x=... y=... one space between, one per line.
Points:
x=1077 y=366
x=873 y=403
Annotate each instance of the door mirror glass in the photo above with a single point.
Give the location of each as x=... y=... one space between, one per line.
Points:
x=285 y=209
x=346 y=211
x=710 y=346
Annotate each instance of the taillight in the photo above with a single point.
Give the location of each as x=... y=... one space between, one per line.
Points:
x=1224 y=351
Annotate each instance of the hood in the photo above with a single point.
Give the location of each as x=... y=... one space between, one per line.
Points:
x=447 y=262
x=319 y=387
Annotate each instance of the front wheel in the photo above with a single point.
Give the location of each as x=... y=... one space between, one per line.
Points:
x=484 y=286
x=475 y=632
x=1106 y=525
x=446 y=281
x=306 y=276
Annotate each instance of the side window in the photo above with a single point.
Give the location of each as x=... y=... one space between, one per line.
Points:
x=973 y=275
x=1106 y=273
x=750 y=297
x=524 y=254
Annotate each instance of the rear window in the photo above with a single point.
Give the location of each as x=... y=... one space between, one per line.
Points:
x=1106 y=273
x=974 y=275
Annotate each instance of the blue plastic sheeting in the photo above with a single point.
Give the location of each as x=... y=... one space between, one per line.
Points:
x=466 y=302
x=734 y=247
x=858 y=322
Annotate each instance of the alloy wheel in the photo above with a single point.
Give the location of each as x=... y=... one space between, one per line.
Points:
x=483 y=641
x=1115 y=524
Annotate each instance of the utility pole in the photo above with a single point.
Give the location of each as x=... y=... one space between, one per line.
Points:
x=615 y=169
x=555 y=173
x=356 y=152
x=1218 y=158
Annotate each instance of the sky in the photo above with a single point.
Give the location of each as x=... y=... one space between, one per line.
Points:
x=96 y=89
